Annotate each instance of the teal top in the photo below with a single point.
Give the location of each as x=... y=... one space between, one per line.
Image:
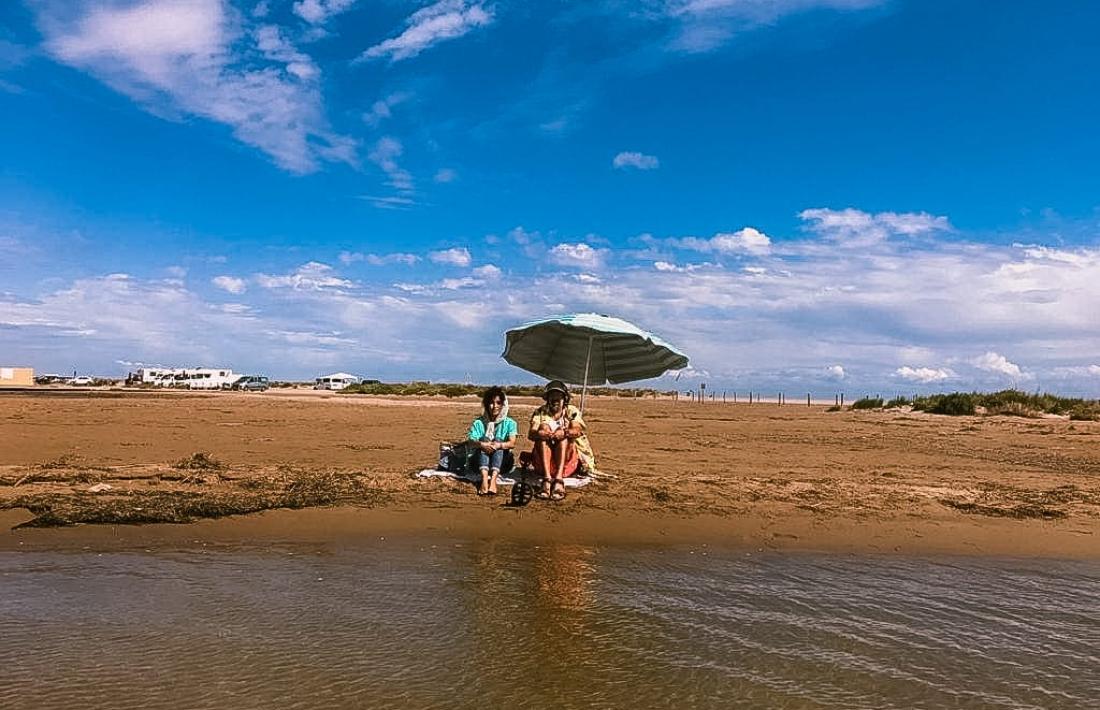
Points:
x=505 y=430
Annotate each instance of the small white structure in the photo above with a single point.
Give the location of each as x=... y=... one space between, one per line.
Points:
x=192 y=378
x=16 y=377
x=336 y=381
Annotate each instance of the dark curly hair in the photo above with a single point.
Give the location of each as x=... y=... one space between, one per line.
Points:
x=491 y=394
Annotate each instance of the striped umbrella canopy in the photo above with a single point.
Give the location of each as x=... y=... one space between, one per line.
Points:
x=587 y=348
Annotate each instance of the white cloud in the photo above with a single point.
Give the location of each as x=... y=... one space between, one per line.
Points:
x=312 y=276
x=630 y=159
x=749 y=240
x=457 y=256
x=923 y=374
x=463 y=282
x=317 y=12
x=185 y=57
x=688 y=373
x=231 y=284
x=998 y=364
x=852 y=227
x=744 y=241
x=118 y=313
x=930 y=302
x=668 y=266
x=489 y=272
x=428 y=26
x=581 y=255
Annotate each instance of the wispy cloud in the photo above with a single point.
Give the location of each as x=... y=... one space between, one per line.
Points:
x=428 y=26
x=445 y=175
x=311 y=276
x=347 y=257
x=185 y=57
x=855 y=228
x=389 y=202
x=317 y=12
x=639 y=161
x=382 y=109
x=705 y=25
x=385 y=154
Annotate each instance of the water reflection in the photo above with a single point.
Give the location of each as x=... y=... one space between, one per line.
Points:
x=497 y=623
x=563 y=577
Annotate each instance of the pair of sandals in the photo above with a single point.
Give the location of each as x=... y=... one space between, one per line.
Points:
x=552 y=489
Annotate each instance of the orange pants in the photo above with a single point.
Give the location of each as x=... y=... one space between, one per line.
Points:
x=566 y=448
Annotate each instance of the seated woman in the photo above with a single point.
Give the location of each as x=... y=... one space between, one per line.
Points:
x=561 y=446
x=491 y=435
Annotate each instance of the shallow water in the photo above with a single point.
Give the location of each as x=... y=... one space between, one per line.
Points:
x=501 y=624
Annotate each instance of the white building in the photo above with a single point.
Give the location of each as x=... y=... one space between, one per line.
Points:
x=192 y=378
x=336 y=381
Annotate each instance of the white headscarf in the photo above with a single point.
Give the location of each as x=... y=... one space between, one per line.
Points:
x=491 y=424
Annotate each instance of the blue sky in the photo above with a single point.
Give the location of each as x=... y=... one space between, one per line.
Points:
x=814 y=195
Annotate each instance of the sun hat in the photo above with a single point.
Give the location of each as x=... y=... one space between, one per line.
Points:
x=555 y=385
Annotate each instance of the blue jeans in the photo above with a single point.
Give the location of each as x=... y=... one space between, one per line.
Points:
x=494 y=460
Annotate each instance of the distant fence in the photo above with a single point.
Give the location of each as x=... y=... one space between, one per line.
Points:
x=701 y=396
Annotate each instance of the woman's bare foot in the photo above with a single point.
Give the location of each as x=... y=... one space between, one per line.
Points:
x=492 y=490
x=483 y=487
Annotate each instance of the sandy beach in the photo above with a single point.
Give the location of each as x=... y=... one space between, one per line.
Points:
x=762 y=476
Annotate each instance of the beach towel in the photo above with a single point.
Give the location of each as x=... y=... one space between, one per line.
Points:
x=475 y=477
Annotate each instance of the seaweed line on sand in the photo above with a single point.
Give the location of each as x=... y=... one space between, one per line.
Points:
x=296 y=490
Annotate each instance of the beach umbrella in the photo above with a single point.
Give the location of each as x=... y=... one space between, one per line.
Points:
x=587 y=348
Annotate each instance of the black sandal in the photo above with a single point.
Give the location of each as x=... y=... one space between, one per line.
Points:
x=547 y=489
x=558 y=490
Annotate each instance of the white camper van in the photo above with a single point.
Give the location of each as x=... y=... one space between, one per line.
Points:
x=336 y=381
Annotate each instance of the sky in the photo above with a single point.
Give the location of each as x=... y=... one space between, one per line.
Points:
x=814 y=196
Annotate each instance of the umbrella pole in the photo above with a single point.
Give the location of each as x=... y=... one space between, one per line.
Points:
x=587 y=362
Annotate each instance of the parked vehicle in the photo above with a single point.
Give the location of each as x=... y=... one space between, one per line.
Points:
x=336 y=381
x=252 y=383
x=81 y=381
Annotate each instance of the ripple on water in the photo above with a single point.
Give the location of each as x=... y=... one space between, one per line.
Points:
x=495 y=623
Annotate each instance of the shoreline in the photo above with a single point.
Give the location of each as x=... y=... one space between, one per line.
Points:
x=750 y=476
x=794 y=532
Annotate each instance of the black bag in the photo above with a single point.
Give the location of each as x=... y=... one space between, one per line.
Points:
x=454 y=457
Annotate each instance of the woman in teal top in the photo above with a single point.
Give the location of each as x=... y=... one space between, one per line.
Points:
x=494 y=434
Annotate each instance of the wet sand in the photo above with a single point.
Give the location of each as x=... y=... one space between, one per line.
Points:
x=755 y=476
